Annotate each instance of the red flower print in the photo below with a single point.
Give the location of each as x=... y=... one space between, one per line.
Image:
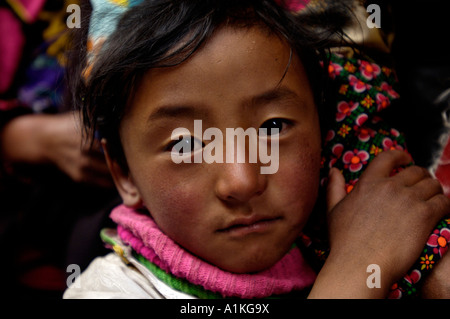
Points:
x=369 y=70
x=364 y=133
x=439 y=240
x=337 y=152
x=395 y=292
x=358 y=85
x=394 y=132
x=413 y=277
x=334 y=70
x=382 y=101
x=330 y=135
x=389 y=90
x=376 y=119
x=345 y=109
x=354 y=160
x=361 y=119
x=389 y=144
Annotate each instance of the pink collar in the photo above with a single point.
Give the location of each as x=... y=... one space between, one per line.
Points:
x=138 y=230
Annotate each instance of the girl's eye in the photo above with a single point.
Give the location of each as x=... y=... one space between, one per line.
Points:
x=185 y=145
x=273 y=127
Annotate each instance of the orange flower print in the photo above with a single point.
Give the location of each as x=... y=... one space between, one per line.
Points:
x=344 y=130
x=427 y=262
x=368 y=101
x=343 y=89
x=375 y=150
x=349 y=67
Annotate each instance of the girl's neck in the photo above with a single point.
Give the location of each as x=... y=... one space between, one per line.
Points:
x=138 y=230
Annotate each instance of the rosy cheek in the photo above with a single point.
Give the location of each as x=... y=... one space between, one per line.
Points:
x=175 y=198
x=170 y=203
x=299 y=176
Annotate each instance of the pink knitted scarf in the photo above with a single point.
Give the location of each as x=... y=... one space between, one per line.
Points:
x=138 y=230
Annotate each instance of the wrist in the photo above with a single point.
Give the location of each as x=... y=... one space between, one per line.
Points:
x=23 y=139
x=348 y=278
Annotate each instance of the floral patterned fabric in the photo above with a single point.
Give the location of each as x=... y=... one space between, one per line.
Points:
x=357 y=135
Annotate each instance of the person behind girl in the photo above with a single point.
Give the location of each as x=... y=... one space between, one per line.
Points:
x=223 y=229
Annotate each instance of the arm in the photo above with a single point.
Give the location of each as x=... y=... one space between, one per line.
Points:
x=54 y=140
x=385 y=220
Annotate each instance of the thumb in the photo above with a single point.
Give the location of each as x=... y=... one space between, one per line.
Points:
x=335 y=188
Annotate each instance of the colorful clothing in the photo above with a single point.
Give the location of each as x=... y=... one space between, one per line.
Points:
x=358 y=134
x=40 y=88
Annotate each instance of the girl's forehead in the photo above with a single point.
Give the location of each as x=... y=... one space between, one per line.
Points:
x=233 y=72
x=231 y=40
x=241 y=47
x=250 y=55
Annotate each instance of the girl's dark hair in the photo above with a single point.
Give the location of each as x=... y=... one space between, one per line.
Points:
x=164 y=33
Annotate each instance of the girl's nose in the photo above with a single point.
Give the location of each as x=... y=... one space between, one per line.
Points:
x=240 y=182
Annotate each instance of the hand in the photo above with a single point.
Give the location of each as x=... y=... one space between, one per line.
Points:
x=55 y=140
x=385 y=220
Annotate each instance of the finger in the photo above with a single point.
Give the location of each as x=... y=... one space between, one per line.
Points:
x=335 y=188
x=440 y=207
x=386 y=162
x=412 y=175
x=427 y=188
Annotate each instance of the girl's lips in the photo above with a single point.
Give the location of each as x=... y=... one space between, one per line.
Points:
x=242 y=227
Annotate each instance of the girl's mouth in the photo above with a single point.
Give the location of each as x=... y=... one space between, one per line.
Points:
x=244 y=226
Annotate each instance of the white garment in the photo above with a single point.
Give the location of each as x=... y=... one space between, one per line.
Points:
x=109 y=277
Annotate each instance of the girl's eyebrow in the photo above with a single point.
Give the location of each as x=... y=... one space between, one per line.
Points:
x=175 y=111
x=277 y=94
x=187 y=111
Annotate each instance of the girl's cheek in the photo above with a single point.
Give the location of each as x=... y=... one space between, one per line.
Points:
x=179 y=197
x=299 y=173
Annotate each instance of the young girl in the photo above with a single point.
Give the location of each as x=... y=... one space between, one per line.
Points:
x=210 y=229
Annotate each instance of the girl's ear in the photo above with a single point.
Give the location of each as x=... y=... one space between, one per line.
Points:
x=124 y=183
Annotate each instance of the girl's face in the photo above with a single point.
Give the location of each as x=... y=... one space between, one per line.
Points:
x=228 y=214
